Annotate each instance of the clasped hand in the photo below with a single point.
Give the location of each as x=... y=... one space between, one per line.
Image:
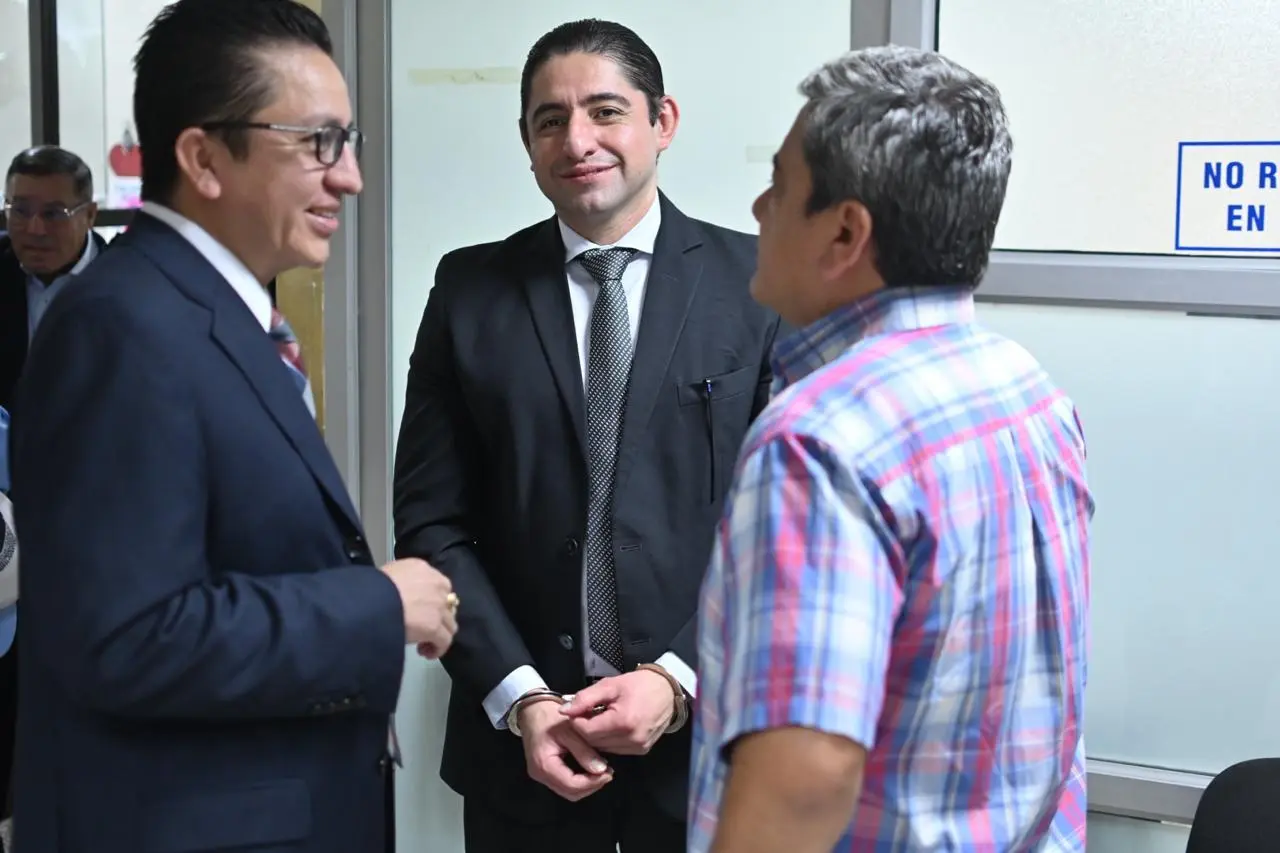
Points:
x=622 y=715
x=625 y=714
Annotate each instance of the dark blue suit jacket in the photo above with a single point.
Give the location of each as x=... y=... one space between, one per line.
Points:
x=209 y=657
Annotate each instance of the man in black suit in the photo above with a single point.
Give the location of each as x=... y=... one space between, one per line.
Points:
x=568 y=480
x=210 y=658
x=49 y=213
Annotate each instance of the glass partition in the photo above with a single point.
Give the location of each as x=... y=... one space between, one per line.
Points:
x=96 y=43
x=15 y=81
x=1111 y=104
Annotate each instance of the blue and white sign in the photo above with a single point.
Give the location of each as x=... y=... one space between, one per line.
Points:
x=1228 y=197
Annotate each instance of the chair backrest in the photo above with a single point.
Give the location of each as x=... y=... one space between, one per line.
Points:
x=1239 y=811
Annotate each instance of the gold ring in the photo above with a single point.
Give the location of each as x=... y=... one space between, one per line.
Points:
x=452 y=601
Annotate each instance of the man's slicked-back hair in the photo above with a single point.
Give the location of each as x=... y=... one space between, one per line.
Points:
x=637 y=61
x=924 y=145
x=45 y=161
x=202 y=61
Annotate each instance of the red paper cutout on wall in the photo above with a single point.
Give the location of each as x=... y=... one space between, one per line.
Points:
x=125 y=157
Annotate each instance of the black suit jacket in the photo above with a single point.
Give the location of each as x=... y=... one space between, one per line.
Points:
x=208 y=657
x=13 y=317
x=491 y=472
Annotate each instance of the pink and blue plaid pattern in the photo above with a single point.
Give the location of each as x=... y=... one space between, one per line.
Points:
x=904 y=561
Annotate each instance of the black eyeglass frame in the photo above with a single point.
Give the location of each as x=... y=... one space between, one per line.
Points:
x=328 y=138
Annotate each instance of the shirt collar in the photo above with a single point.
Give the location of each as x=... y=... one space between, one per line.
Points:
x=896 y=309
x=86 y=257
x=221 y=258
x=642 y=237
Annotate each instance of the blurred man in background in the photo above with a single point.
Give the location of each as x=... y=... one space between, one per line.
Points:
x=49 y=214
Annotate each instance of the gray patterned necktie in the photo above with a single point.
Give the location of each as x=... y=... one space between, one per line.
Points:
x=608 y=373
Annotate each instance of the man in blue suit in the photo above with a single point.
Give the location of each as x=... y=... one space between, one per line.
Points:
x=209 y=657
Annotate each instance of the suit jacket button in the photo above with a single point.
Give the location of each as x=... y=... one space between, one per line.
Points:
x=357 y=549
x=571 y=547
x=566 y=642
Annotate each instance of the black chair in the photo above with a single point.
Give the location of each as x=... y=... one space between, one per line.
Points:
x=1239 y=811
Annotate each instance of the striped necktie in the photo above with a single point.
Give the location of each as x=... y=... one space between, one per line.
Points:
x=291 y=354
x=608 y=375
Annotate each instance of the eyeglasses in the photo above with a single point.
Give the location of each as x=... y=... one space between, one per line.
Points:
x=53 y=214
x=330 y=140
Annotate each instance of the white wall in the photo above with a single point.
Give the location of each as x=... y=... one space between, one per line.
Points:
x=460 y=176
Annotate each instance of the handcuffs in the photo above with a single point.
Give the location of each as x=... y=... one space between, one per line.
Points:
x=679 y=718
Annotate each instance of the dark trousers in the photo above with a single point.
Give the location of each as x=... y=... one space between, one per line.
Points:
x=8 y=727
x=620 y=816
x=8 y=723
x=390 y=815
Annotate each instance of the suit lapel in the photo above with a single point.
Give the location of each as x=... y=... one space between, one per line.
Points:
x=238 y=334
x=673 y=281
x=547 y=290
x=247 y=345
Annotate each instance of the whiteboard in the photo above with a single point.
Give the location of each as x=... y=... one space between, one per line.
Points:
x=1100 y=95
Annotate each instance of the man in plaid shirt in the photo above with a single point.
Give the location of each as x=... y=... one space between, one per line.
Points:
x=892 y=636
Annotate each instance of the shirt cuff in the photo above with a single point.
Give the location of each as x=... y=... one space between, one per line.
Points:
x=500 y=699
x=681 y=671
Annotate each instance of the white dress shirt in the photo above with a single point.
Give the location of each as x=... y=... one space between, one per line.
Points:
x=220 y=257
x=232 y=269
x=583 y=291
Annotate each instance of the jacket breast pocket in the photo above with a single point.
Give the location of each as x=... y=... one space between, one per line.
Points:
x=725 y=400
x=266 y=816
